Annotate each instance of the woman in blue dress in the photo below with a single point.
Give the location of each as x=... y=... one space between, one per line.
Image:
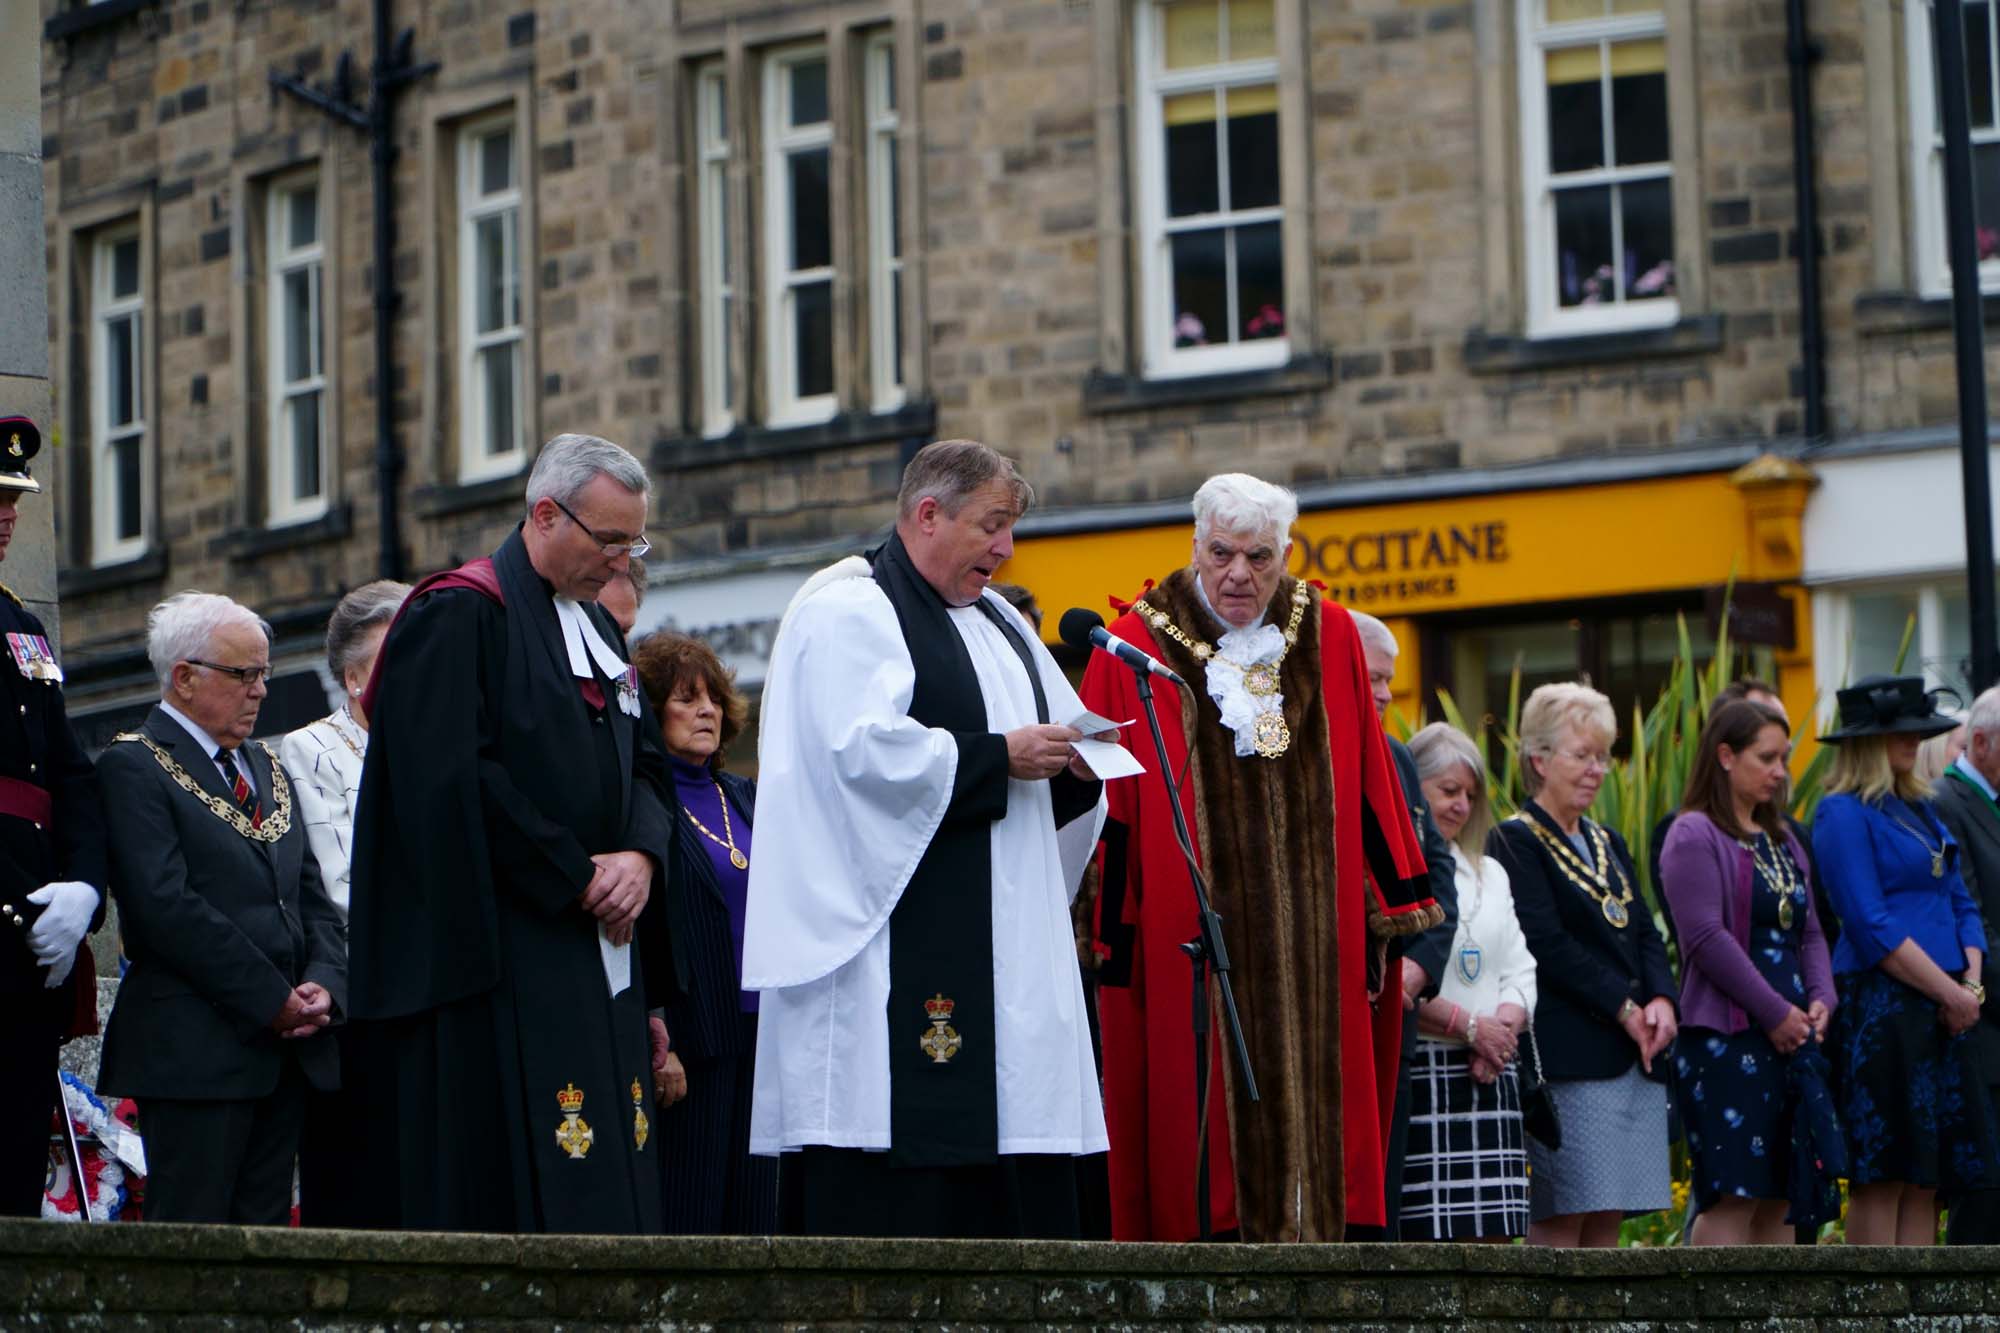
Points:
x=1908 y=965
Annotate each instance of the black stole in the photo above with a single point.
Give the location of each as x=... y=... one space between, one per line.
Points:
x=946 y=1113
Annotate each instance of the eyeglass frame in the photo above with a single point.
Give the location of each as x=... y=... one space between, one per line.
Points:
x=247 y=677
x=1598 y=759
x=632 y=550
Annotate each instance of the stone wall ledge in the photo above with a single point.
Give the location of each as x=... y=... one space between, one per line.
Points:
x=67 y=1276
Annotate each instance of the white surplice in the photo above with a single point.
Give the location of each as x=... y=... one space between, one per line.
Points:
x=850 y=791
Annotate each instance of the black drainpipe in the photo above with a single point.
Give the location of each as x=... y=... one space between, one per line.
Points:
x=1801 y=52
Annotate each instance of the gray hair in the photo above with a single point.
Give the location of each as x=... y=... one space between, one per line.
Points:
x=1374 y=634
x=949 y=471
x=568 y=463
x=1984 y=715
x=1236 y=502
x=1552 y=707
x=185 y=624
x=1438 y=749
x=367 y=606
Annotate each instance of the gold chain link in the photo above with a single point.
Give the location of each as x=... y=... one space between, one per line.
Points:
x=274 y=827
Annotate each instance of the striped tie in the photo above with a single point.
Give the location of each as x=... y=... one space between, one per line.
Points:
x=239 y=787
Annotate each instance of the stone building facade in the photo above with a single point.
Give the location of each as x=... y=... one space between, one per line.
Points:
x=1437 y=263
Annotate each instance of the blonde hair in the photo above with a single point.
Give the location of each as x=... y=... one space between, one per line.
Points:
x=1556 y=706
x=1861 y=768
x=1438 y=749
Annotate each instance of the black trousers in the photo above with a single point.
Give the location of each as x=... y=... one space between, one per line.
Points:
x=710 y=1184
x=334 y=1145
x=224 y=1161
x=848 y=1192
x=29 y=1040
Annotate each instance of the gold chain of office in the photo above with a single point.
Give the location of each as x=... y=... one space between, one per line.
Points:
x=1272 y=736
x=1593 y=880
x=275 y=826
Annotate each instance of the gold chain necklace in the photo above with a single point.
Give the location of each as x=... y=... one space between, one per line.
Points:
x=1593 y=880
x=333 y=723
x=1936 y=853
x=736 y=857
x=276 y=824
x=1780 y=873
x=1272 y=736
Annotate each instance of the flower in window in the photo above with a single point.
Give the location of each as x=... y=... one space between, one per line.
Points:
x=1189 y=330
x=1655 y=281
x=1268 y=322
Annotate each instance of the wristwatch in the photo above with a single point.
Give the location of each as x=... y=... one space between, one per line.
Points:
x=1978 y=991
x=1627 y=1009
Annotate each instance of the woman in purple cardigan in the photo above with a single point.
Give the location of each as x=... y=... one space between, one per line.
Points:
x=1756 y=980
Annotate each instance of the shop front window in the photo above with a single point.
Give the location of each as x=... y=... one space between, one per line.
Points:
x=1933 y=614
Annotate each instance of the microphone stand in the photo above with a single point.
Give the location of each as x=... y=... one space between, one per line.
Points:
x=1208 y=957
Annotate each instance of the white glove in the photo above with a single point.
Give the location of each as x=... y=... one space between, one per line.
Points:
x=67 y=907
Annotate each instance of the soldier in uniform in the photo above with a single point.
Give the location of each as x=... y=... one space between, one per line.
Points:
x=52 y=866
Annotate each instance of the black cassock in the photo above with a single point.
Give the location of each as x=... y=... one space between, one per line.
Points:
x=506 y=1089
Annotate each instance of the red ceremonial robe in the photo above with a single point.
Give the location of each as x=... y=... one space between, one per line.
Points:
x=1366 y=858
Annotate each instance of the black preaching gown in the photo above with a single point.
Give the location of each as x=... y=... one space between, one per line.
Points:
x=506 y=1089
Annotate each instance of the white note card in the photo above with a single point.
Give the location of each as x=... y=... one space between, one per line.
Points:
x=617 y=962
x=1107 y=759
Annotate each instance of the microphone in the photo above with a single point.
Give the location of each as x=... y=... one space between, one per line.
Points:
x=1085 y=629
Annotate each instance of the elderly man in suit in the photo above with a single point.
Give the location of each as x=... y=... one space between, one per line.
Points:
x=238 y=959
x=1966 y=802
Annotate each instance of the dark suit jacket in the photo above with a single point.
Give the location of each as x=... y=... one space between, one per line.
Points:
x=1585 y=967
x=219 y=928
x=1431 y=949
x=1977 y=828
x=690 y=956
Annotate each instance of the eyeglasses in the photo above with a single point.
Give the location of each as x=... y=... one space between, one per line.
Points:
x=247 y=677
x=1588 y=758
x=633 y=549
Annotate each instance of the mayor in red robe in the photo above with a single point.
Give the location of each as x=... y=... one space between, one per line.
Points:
x=1306 y=844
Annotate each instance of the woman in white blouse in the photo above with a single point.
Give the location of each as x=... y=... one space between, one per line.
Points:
x=1465 y=1176
x=323 y=760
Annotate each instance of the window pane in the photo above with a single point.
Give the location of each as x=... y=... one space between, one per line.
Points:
x=1583 y=247
x=1986 y=198
x=808 y=92
x=497 y=295
x=497 y=370
x=896 y=328
x=1565 y=11
x=298 y=306
x=720 y=185
x=496 y=162
x=885 y=55
x=1260 y=283
x=1649 y=239
x=1192 y=35
x=1879 y=621
x=812 y=338
x=1639 y=101
x=1251 y=36
x=1635 y=6
x=1253 y=147
x=1201 y=288
x=1955 y=667
x=1979 y=63
x=812 y=231
x=1192 y=182
x=304 y=410
x=125 y=268
x=126 y=477
x=718 y=110
x=895 y=200
x=121 y=367
x=728 y=354
x=302 y=217
x=1576 y=109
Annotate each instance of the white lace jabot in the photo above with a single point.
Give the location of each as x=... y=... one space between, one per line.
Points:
x=1236 y=651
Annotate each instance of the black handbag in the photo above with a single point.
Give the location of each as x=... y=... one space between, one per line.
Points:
x=1538 y=1104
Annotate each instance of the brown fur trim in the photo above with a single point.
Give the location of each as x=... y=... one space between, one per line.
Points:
x=1265 y=833
x=1416 y=922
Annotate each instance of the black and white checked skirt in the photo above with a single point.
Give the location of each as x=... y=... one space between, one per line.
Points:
x=1465 y=1175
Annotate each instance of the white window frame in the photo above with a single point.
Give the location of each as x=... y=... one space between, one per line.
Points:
x=1933 y=257
x=885 y=259
x=1833 y=629
x=787 y=406
x=474 y=462
x=281 y=261
x=105 y=547
x=717 y=288
x=1156 y=276
x=1546 y=318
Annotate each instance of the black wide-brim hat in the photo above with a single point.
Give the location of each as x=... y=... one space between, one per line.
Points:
x=1891 y=706
x=20 y=441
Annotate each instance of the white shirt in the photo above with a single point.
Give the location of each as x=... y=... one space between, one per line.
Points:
x=860 y=788
x=1503 y=971
x=324 y=760
x=209 y=746
x=1964 y=765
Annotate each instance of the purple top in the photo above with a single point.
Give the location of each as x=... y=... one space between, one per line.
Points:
x=702 y=797
x=1707 y=877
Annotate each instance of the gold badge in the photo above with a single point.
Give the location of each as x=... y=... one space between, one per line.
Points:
x=941 y=1042
x=642 y=1128
x=574 y=1136
x=14 y=444
x=1261 y=679
x=1272 y=737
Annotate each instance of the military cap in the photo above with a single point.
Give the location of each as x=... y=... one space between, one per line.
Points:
x=20 y=441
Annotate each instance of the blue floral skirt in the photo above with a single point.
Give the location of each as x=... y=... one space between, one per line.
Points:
x=1911 y=1097
x=1738 y=1115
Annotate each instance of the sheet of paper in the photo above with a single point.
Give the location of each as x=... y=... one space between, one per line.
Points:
x=1107 y=759
x=617 y=962
x=1090 y=723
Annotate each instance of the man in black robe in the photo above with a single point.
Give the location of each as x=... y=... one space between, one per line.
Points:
x=509 y=831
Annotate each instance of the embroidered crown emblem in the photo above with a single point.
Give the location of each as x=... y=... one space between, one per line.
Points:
x=939 y=1008
x=940 y=1041
x=570 y=1099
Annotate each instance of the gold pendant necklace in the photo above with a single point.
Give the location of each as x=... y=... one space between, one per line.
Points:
x=1936 y=853
x=1593 y=880
x=736 y=856
x=1779 y=873
x=1269 y=732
